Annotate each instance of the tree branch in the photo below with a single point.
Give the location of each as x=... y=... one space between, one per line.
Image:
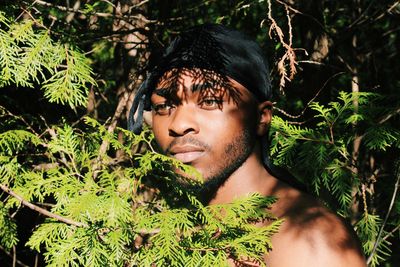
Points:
x=391 y=232
x=99 y=14
x=9 y=113
x=104 y=145
x=117 y=115
x=289 y=55
x=310 y=101
x=378 y=238
x=41 y=210
x=387 y=117
x=20 y=263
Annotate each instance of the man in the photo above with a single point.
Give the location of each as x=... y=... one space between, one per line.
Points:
x=209 y=95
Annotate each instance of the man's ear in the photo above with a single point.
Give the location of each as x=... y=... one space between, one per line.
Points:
x=265 y=111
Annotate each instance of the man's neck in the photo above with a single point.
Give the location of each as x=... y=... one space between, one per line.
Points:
x=249 y=178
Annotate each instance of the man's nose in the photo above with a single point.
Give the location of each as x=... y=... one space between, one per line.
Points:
x=183 y=121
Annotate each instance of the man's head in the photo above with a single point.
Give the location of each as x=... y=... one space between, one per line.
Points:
x=202 y=125
x=209 y=99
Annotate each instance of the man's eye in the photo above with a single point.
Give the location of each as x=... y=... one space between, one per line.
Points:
x=162 y=108
x=211 y=103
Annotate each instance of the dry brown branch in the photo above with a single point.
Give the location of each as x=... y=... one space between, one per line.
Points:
x=289 y=58
x=39 y=209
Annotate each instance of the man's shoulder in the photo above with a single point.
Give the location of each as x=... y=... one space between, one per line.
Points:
x=312 y=234
x=307 y=219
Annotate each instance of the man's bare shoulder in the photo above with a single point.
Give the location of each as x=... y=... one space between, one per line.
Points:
x=311 y=234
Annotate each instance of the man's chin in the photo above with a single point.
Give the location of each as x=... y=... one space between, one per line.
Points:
x=190 y=173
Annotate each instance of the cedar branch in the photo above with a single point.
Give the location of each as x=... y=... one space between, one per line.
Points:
x=39 y=209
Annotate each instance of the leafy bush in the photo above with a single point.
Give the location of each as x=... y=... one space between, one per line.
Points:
x=322 y=158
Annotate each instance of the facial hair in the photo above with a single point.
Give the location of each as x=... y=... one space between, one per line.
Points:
x=235 y=154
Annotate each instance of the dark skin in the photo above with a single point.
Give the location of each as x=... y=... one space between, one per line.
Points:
x=218 y=137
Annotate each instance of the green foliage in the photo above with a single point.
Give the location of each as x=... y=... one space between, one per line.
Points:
x=382 y=137
x=114 y=214
x=29 y=57
x=367 y=228
x=14 y=140
x=8 y=229
x=226 y=231
x=322 y=156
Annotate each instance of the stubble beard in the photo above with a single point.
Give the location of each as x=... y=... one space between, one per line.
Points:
x=235 y=154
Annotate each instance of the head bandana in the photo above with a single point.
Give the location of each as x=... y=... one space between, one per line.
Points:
x=208 y=50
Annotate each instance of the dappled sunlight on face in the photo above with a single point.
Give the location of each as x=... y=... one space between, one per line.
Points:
x=204 y=82
x=203 y=124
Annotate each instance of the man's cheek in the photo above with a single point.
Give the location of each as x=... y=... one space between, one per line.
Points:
x=161 y=143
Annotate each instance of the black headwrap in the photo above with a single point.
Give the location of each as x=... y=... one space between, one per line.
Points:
x=208 y=50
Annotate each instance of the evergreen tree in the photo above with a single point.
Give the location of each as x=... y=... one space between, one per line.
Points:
x=103 y=196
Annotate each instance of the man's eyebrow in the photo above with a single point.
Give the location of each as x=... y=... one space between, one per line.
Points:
x=163 y=91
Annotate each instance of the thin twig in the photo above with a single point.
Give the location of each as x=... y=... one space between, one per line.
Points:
x=391 y=232
x=289 y=55
x=20 y=263
x=99 y=14
x=36 y=260
x=111 y=128
x=14 y=262
x=389 y=10
x=378 y=238
x=117 y=115
x=361 y=19
x=310 y=101
x=387 y=117
x=39 y=209
x=9 y=113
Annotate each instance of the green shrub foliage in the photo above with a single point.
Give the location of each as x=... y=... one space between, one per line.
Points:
x=107 y=219
x=321 y=157
x=29 y=57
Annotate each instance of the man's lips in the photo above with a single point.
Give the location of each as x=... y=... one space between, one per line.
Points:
x=187 y=153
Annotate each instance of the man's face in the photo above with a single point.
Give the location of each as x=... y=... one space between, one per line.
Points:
x=205 y=128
